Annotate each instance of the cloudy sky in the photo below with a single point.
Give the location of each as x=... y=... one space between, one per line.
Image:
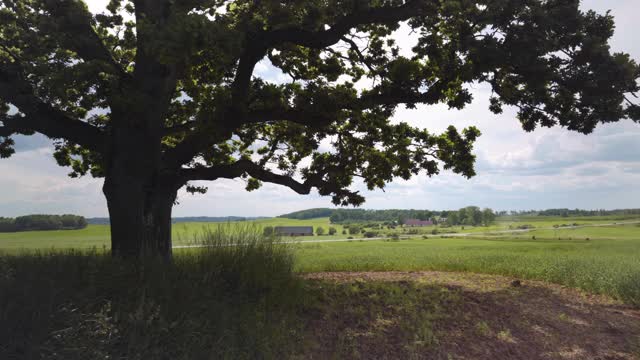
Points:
x=516 y=170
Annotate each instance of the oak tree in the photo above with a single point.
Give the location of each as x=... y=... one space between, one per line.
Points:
x=155 y=94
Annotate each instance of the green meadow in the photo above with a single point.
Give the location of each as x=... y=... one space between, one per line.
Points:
x=184 y=233
x=599 y=259
x=98 y=236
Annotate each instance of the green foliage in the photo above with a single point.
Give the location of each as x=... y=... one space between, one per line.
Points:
x=471 y=215
x=319 y=230
x=332 y=230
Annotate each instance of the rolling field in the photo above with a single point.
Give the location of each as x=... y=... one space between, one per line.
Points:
x=183 y=233
x=603 y=260
x=98 y=235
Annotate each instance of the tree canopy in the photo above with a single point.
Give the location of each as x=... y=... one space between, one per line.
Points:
x=156 y=94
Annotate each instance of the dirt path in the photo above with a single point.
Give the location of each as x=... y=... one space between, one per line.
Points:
x=465 y=316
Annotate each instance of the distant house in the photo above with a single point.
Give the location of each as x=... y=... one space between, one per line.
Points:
x=418 y=223
x=293 y=230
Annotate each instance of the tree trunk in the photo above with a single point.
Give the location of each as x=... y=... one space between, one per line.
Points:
x=140 y=220
x=139 y=196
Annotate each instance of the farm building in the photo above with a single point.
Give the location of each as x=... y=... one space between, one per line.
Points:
x=416 y=222
x=294 y=230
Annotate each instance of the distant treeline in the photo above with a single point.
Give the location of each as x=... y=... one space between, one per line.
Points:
x=470 y=215
x=42 y=222
x=309 y=214
x=360 y=215
x=573 y=212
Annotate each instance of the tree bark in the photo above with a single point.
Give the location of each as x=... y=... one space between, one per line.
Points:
x=140 y=220
x=139 y=197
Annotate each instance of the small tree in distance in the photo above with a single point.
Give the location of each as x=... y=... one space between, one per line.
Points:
x=332 y=231
x=154 y=95
x=488 y=217
x=319 y=230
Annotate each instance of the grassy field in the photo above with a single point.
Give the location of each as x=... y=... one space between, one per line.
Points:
x=305 y=300
x=602 y=260
x=183 y=233
x=607 y=263
x=98 y=235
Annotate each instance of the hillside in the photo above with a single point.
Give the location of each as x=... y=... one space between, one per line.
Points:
x=309 y=214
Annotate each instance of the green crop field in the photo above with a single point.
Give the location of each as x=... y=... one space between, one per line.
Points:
x=607 y=263
x=603 y=259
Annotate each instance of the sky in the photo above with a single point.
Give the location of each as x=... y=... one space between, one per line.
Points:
x=548 y=168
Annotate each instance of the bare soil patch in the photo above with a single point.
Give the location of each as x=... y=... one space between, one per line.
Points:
x=440 y=315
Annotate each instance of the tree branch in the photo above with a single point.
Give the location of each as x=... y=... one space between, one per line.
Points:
x=256 y=171
x=259 y=45
x=297 y=116
x=179 y=128
x=42 y=117
x=356 y=49
x=75 y=23
x=324 y=38
x=231 y=171
x=366 y=101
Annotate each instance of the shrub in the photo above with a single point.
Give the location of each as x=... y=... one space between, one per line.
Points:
x=319 y=230
x=370 y=234
x=268 y=231
x=332 y=231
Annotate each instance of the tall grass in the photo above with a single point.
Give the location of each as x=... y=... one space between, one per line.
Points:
x=235 y=298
